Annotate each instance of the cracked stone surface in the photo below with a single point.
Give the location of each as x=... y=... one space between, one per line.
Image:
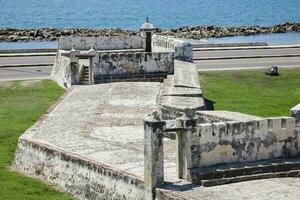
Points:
x=265 y=189
x=104 y=122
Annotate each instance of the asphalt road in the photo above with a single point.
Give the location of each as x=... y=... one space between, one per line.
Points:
x=23 y=73
x=248 y=63
x=16 y=73
x=245 y=52
x=26 y=60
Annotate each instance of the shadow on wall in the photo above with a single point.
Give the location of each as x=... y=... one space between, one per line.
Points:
x=209 y=104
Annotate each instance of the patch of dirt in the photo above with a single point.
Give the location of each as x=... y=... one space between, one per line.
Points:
x=6 y=84
x=30 y=83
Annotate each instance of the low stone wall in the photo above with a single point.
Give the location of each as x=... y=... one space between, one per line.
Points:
x=64 y=72
x=84 y=179
x=101 y=43
x=133 y=63
x=182 y=50
x=233 y=141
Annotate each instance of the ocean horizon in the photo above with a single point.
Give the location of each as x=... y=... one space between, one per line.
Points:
x=130 y=14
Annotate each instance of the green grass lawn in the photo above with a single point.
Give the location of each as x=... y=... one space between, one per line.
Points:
x=252 y=92
x=21 y=104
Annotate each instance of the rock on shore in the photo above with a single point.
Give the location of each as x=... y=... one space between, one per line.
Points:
x=191 y=32
x=198 y=32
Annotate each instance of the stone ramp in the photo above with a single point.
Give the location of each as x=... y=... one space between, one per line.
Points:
x=94 y=136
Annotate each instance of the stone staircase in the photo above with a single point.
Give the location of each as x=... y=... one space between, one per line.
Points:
x=85 y=75
x=225 y=174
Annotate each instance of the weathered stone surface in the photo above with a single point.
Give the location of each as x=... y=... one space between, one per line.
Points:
x=133 y=63
x=181 y=102
x=101 y=43
x=295 y=112
x=224 y=115
x=185 y=74
x=182 y=50
x=235 y=141
x=94 y=127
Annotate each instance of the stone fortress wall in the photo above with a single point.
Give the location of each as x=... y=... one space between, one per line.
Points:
x=182 y=50
x=102 y=58
x=101 y=43
x=244 y=141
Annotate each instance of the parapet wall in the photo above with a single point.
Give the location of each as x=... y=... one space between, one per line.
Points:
x=101 y=43
x=133 y=63
x=84 y=179
x=232 y=141
x=182 y=50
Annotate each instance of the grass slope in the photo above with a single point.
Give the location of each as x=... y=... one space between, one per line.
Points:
x=21 y=104
x=252 y=92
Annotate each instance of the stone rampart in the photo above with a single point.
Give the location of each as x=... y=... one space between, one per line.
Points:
x=101 y=43
x=83 y=178
x=182 y=50
x=233 y=141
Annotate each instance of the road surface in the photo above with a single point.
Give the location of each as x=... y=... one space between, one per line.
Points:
x=247 y=63
x=208 y=54
x=23 y=73
x=202 y=58
x=26 y=60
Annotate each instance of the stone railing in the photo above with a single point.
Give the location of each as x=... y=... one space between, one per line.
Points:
x=182 y=50
x=101 y=43
x=235 y=142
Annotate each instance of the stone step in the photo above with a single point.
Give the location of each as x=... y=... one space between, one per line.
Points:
x=129 y=80
x=84 y=82
x=155 y=77
x=223 y=174
x=222 y=181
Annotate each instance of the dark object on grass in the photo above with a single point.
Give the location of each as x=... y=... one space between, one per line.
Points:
x=273 y=71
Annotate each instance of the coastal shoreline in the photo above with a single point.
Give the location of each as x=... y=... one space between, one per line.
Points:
x=189 y=32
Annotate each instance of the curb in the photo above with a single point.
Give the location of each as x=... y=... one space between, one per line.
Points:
x=245 y=48
x=246 y=57
x=27 y=65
